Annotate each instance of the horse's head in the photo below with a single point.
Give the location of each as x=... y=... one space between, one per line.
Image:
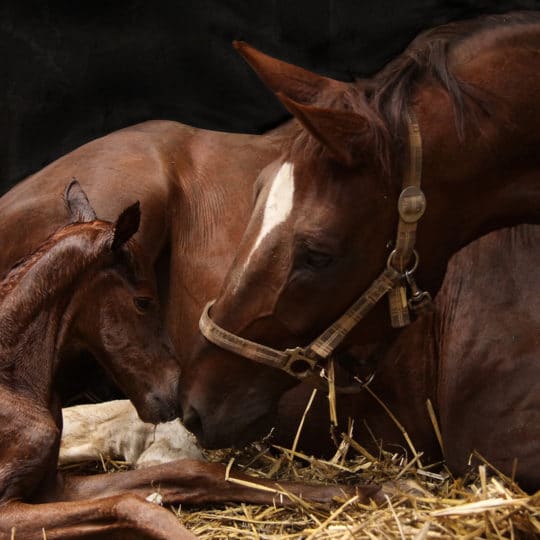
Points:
x=324 y=217
x=116 y=315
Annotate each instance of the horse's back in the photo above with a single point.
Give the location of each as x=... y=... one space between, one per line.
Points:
x=152 y=162
x=114 y=170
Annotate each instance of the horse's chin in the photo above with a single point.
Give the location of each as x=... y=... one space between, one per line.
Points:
x=233 y=434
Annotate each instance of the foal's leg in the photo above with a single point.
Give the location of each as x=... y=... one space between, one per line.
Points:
x=29 y=439
x=197 y=482
x=122 y=517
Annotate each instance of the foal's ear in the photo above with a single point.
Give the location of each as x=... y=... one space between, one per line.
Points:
x=77 y=203
x=343 y=133
x=295 y=82
x=126 y=225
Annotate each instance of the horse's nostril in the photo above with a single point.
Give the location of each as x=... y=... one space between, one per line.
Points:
x=192 y=421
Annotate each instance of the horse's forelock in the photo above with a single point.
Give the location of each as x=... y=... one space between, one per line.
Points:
x=377 y=141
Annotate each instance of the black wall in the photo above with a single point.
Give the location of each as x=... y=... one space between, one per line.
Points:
x=72 y=71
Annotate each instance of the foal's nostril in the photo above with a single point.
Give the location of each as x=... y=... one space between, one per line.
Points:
x=162 y=408
x=192 y=421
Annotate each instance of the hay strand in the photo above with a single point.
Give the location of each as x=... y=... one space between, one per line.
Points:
x=435 y=424
x=301 y=424
x=332 y=394
x=396 y=422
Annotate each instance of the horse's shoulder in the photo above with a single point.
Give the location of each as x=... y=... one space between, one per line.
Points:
x=485 y=293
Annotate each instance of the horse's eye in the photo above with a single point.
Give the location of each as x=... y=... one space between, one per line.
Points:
x=317 y=260
x=142 y=303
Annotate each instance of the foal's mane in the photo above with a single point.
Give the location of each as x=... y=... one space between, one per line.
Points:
x=130 y=257
x=384 y=98
x=17 y=272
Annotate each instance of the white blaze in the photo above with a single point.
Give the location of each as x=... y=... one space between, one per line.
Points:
x=278 y=204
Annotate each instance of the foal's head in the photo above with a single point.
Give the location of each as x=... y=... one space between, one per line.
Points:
x=116 y=315
x=88 y=287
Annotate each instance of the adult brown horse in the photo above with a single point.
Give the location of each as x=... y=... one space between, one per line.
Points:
x=325 y=218
x=85 y=285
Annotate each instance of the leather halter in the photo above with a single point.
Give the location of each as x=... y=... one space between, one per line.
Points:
x=307 y=362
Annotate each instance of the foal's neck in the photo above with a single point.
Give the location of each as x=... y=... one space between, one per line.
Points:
x=35 y=314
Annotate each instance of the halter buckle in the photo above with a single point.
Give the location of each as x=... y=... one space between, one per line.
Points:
x=411 y=204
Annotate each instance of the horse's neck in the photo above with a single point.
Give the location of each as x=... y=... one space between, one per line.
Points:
x=35 y=316
x=215 y=206
x=491 y=178
x=405 y=378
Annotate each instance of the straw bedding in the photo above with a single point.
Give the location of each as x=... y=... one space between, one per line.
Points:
x=418 y=502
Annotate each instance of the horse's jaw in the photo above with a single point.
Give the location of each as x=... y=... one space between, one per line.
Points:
x=215 y=433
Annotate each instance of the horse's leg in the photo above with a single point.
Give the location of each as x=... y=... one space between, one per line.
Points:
x=121 y=516
x=196 y=482
x=489 y=394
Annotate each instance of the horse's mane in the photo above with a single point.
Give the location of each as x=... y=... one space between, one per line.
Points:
x=384 y=98
x=428 y=54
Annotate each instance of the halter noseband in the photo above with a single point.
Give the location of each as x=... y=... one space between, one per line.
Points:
x=307 y=362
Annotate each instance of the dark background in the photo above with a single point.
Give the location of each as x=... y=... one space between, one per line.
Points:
x=74 y=70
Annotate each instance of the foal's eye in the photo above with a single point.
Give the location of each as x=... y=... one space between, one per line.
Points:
x=142 y=303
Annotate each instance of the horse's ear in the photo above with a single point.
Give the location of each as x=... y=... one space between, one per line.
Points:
x=343 y=133
x=77 y=203
x=126 y=225
x=295 y=82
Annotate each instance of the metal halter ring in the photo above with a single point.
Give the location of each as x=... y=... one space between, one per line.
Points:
x=298 y=364
x=411 y=270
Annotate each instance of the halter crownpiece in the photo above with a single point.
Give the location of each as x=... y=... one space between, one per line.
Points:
x=395 y=280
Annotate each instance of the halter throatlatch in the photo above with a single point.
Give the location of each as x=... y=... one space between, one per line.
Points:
x=395 y=280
